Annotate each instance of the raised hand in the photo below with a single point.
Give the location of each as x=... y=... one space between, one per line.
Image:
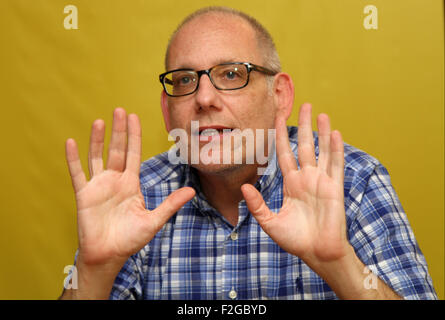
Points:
x=311 y=223
x=112 y=220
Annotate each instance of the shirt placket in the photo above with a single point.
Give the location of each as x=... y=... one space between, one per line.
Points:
x=234 y=287
x=229 y=263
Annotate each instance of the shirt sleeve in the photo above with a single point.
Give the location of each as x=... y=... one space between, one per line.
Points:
x=381 y=235
x=128 y=283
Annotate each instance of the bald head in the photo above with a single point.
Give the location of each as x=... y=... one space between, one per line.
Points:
x=218 y=16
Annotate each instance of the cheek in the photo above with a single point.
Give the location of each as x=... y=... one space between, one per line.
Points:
x=259 y=113
x=178 y=117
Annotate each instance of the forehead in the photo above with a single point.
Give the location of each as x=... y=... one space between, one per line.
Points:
x=211 y=39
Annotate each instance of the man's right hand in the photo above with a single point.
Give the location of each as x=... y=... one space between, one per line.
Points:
x=113 y=223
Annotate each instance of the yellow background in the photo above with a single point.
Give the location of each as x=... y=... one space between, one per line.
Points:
x=382 y=88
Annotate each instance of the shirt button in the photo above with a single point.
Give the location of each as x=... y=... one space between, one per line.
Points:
x=234 y=235
x=232 y=294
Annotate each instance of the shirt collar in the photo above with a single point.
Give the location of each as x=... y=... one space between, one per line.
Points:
x=266 y=184
x=199 y=200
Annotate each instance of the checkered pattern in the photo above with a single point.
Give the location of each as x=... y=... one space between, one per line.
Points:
x=199 y=255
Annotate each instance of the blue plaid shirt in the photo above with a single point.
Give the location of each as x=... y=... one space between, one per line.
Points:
x=199 y=255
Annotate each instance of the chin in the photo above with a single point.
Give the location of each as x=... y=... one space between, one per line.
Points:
x=218 y=169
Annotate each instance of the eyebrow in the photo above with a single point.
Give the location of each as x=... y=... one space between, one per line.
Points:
x=217 y=62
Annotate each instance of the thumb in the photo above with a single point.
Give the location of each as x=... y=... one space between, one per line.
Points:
x=257 y=206
x=171 y=205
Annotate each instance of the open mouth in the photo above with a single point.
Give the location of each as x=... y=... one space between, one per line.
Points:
x=207 y=133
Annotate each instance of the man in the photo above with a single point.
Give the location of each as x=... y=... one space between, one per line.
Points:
x=322 y=222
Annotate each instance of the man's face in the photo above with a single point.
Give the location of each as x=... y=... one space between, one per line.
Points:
x=202 y=43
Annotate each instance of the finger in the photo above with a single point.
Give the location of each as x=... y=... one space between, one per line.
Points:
x=95 y=161
x=118 y=143
x=257 y=206
x=175 y=201
x=134 y=144
x=285 y=156
x=78 y=178
x=306 y=150
x=337 y=157
x=324 y=141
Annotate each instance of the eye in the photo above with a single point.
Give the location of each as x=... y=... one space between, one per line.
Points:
x=231 y=74
x=184 y=80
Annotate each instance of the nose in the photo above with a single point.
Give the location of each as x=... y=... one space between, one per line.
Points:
x=207 y=96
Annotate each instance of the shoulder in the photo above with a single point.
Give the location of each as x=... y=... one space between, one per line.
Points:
x=362 y=172
x=159 y=169
x=355 y=159
x=359 y=160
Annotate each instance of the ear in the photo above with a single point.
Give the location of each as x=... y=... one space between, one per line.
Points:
x=165 y=111
x=283 y=91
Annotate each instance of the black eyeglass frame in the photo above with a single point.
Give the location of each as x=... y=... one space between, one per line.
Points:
x=250 y=67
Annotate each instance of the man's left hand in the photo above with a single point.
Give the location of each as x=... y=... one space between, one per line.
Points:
x=311 y=223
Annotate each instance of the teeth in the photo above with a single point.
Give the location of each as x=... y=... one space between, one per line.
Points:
x=209 y=132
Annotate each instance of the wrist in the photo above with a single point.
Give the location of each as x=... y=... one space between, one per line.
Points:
x=94 y=281
x=345 y=275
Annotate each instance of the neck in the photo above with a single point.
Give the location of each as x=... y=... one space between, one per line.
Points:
x=223 y=189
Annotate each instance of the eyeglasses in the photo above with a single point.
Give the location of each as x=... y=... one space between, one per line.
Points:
x=225 y=76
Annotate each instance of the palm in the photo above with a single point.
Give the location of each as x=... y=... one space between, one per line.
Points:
x=112 y=220
x=311 y=222
x=111 y=216
x=309 y=214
